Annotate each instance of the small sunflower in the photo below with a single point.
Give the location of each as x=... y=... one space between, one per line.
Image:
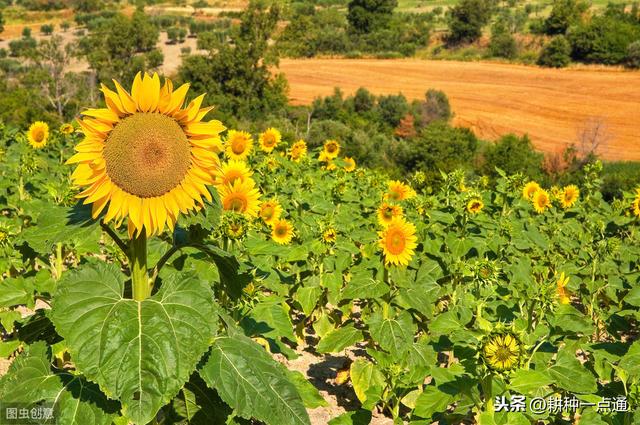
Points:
x=67 y=128
x=269 y=139
x=569 y=196
x=529 y=190
x=475 y=205
x=270 y=211
x=241 y=197
x=635 y=207
x=238 y=145
x=329 y=235
x=298 y=151
x=235 y=225
x=541 y=201
x=5 y=234
x=350 y=164
x=282 y=232
x=331 y=149
x=146 y=155
x=502 y=352
x=387 y=212
x=398 y=242
x=231 y=171
x=399 y=191
x=561 y=289
x=38 y=134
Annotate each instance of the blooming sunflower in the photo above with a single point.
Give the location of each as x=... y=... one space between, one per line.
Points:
x=399 y=191
x=635 y=206
x=269 y=139
x=350 y=164
x=561 y=289
x=146 y=155
x=241 y=197
x=569 y=196
x=529 y=190
x=38 y=134
x=502 y=352
x=238 y=145
x=282 y=232
x=387 y=212
x=231 y=171
x=67 y=128
x=331 y=149
x=541 y=200
x=270 y=211
x=329 y=235
x=398 y=241
x=475 y=205
x=298 y=150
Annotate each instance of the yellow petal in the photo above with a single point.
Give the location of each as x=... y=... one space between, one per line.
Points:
x=103 y=114
x=177 y=99
x=128 y=104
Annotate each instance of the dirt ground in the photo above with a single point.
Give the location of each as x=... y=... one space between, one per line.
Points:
x=551 y=105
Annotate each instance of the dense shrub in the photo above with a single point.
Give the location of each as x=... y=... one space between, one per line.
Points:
x=633 y=55
x=604 y=39
x=512 y=154
x=365 y=16
x=503 y=44
x=466 y=20
x=564 y=14
x=556 y=54
x=435 y=107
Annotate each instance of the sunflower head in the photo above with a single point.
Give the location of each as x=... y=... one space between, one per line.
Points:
x=486 y=271
x=298 y=150
x=529 y=190
x=541 y=201
x=329 y=235
x=502 y=351
x=398 y=191
x=234 y=225
x=387 y=212
x=635 y=207
x=569 y=196
x=270 y=211
x=561 y=288
x=398 y=242
x=269 y=139
x=241 y=197
x=238 y=145
x=350 y=164
x=38 y=134
x=67 y=128
x=4 y=236
x=331 y=149
x=231 y=171
x=146 y=155
x=282 y=232
x=475 y=205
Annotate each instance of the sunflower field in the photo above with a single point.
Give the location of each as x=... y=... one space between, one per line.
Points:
x=157 y=267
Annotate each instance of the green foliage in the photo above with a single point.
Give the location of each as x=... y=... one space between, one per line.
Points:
x=46 y=29
x=502 y=44
x=237 y=73
x=120 y=47
x=564 y=14
x=556 y=54
x=604 y=39
x=512 y=154
x=466 y=20
x=366 y=16
x=633 y=55
x=1 y=22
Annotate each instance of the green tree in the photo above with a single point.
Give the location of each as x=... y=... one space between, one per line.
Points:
x=1 y=22
x=466 y=20
x=556 y=54
x=365 y=16
x=502 y=44
x=512 y=154
x=633 y=55
x=605 y=39
x=564 y=14
x=236 y=72
x=434 y=107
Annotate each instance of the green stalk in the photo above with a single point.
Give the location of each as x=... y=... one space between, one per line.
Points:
x=58 y=260
x=487 y=387
x=138 y=262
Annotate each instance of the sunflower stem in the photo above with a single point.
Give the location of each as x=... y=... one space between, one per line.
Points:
x=58 y=260
x=139 y=274
x=488 y=393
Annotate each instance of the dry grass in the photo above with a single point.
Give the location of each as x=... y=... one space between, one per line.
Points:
x=551 y=105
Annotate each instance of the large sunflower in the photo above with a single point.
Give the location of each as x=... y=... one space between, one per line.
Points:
x=145 y=155
x=529 y=190
x=270 y=211
x=282 y=232
x=399 y=191
x=569 y=196
x=541 y=200
x=238 y=145
x=241 y=197
x=298 y=151
x=398 y=241
x=269 y=139
x=231 y=171
x=38 y=134
x=386 y=213
x=331 y=149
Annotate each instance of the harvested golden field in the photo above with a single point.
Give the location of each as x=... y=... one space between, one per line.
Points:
x=553 y=106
